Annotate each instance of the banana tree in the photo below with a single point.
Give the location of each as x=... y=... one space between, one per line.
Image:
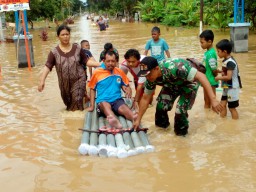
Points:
x=218 y=13
x=152 y=10
x=182 y=12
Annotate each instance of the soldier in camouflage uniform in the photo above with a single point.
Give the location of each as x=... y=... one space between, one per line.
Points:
x=178 y=78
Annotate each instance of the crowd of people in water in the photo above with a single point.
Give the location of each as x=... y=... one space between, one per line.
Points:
x=107 y=81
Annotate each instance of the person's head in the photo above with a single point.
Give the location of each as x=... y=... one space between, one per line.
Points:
x=206 y=39
x=63 y=33
x=132 y=56
x=149 y=68
x=108 y=47
x=110 y=60
x=155 y=32
x=224 y=48
x=85 y=44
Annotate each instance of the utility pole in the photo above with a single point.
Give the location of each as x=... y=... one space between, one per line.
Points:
x=201 y=15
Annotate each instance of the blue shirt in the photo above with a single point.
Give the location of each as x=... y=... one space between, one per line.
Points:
x=157 y=48
x=108 y=84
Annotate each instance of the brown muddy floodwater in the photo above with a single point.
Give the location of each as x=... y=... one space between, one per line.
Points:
x=39 y=139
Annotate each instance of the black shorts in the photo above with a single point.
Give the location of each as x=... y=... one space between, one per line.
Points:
x=114 y=106
x=231 y=104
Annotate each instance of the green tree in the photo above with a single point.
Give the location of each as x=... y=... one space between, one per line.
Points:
x=182 y=12
x=218 y=13
x=152 y=10
x=250 y=12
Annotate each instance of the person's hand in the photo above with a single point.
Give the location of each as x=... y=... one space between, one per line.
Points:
x=219 y=71
x=41 y=86
x=90 y=109
x=128 y=92
x=216 y=106
x=135 y=106
x=217 y=78
x=136 y=124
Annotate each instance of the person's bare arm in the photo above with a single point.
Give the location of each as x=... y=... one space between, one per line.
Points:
x=215 y=72
x=145 y=52
x=216 y=106
x=142 y=109
x=124 y=68
x=167 y=52
x=139 y=90
x=225 y=77
x=137 y=96
x=92 y=62
x=92 y=100
x=41 y=85
x=90 y=72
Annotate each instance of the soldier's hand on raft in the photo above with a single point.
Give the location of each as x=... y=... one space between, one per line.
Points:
x=216 y=106
x=136 y=124
x=135 y=106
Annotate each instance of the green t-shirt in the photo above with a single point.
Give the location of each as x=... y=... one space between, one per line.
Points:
x=210 y=63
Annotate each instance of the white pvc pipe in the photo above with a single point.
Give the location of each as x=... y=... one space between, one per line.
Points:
x=137 y=142
x=121 y=153
x=93 y=150
x=145 y=142
x=128 y=141
x=103 y=145
x=112 y=150
x=84 y=146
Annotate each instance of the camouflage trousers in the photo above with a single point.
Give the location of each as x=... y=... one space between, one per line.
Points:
x=166 y=98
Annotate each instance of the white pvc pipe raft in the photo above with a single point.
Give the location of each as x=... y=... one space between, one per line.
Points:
x=121 y=145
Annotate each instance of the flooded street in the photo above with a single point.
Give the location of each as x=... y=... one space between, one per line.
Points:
x=39 y=139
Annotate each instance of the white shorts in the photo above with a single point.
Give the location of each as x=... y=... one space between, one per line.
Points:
x=232 y=94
